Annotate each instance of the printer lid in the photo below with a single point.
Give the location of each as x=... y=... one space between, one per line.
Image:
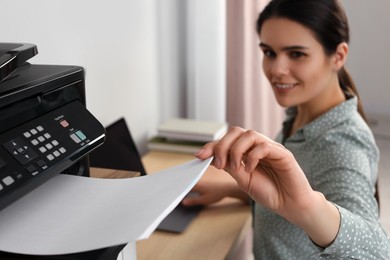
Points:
x=13 y=55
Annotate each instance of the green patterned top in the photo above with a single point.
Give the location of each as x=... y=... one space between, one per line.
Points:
x=339 y=156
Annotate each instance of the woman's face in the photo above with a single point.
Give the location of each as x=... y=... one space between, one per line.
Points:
x=295 y=64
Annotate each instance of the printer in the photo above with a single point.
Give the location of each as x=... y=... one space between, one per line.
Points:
x=45 y=128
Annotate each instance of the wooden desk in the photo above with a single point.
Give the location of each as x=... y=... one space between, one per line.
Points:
x=214 y=234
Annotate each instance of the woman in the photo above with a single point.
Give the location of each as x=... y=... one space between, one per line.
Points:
x=313 y=188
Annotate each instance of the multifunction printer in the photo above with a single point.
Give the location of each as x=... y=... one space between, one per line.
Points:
x=45 y=128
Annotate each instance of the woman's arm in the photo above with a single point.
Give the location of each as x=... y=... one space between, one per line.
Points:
x=271 y=176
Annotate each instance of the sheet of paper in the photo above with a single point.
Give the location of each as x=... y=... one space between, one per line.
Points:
x=70 y=214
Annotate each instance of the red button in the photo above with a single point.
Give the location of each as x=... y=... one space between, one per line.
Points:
x=64 y=123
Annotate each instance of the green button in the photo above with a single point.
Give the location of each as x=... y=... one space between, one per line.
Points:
x=81 y=135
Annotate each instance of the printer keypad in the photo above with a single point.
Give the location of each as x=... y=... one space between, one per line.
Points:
x=33 y=151
x=45 y=143
x=18 y=148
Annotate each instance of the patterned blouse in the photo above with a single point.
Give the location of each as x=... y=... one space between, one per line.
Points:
x=338 y=154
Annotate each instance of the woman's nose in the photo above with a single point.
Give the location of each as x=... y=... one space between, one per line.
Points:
x=279 y=67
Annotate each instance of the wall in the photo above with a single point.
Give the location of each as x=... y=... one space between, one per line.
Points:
x=206 y=59
x=116 y=42
x=135 y=52
x=192 y=53
x=171 y=16
x=369 y=59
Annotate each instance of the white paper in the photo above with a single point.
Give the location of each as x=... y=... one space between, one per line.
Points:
x=70 y=214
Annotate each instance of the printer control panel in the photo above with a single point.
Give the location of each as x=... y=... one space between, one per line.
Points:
x=36 y=150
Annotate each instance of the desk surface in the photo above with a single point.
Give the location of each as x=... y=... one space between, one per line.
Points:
x=214 y=234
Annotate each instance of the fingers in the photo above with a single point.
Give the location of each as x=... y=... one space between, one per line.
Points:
x=206 y=151
x=260 y=151
x=225 y=147
x=239 y=147
x=236 y=149
x=220 y=149
x=239 y=150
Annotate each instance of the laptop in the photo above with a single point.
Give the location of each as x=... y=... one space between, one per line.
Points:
x=120 y=152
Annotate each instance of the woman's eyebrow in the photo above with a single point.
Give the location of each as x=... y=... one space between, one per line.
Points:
x=288 y=48
x=295 y=47
x=263 y=45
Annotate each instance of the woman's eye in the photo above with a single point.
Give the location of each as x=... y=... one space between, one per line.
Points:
x=269 y=53
x=296 y=54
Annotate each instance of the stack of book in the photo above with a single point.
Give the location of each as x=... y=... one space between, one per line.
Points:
x=186 y=135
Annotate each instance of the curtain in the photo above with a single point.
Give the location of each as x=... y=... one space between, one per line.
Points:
x=250 y=100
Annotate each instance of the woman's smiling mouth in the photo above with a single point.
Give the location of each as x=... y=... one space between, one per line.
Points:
x=283 y=85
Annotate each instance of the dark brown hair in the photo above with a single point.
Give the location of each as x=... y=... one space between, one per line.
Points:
x=326 y=19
